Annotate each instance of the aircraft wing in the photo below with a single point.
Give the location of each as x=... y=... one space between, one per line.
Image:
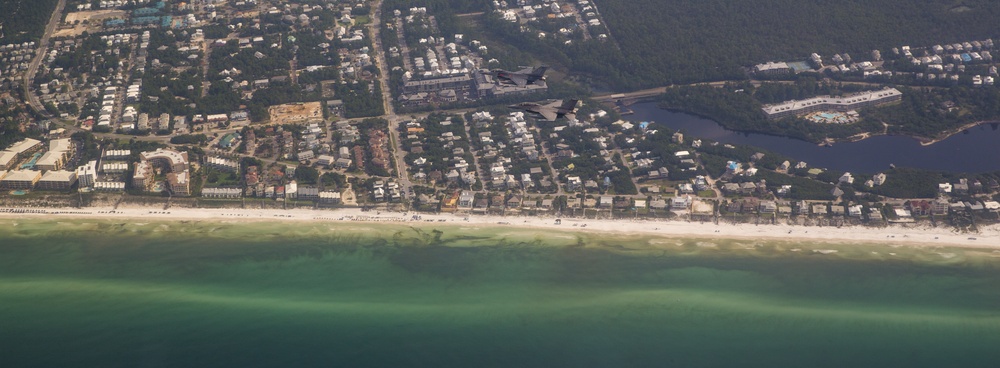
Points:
x=569 y=105
x=553 y=105
x=570 y=116
x=548 y=114
x=519 y=80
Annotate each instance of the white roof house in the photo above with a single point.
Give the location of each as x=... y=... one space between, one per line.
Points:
x=847 y=178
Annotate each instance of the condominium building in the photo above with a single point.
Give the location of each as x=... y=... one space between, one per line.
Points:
x=20 y=179
x=174 y=162
x=57 y=180
x=772 y=68
x=87 y=174
x=845 y=103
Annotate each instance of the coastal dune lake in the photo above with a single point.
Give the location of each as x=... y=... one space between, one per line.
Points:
x=973 y=150
x=101 y=293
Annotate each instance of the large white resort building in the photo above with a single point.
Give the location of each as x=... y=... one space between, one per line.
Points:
x=166 y=161
x=844 y=103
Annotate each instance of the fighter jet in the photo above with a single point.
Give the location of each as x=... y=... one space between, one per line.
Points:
x=551 y=111
x=522 y=77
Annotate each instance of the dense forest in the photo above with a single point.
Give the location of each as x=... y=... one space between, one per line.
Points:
x=930 y=112
x=684 y=41
x=24 y=20
x=12 y=118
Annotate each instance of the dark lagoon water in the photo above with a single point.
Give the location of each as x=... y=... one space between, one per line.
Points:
x=103 y=294
x=976 y=150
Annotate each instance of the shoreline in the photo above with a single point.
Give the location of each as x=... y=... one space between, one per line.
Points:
x=923 y=141
x=948 y=134
x=988 y=238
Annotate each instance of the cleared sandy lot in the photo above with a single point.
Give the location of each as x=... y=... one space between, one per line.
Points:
x=296 y=113
x=94 y=16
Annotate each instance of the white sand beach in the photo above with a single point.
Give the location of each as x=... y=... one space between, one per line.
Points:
x=926 y=236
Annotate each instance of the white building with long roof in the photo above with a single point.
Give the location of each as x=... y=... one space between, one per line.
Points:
x=57 y=180
x=845 y=103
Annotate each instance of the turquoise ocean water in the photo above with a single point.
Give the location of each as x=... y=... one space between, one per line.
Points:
x=104 y=294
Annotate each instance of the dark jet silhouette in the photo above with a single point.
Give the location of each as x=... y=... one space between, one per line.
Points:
x=551 y=111
x=522 y=77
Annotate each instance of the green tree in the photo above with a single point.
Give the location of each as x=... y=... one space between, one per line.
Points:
x=306 y=174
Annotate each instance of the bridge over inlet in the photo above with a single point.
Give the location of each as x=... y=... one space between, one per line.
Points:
x=630 y=97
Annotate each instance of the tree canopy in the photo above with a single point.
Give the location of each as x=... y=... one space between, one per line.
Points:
x=684 y=41
x=24 y=20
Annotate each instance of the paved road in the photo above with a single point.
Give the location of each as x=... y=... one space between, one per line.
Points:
x=651 y=92
x=40 y=53
x=390 y=114
x=548 y=159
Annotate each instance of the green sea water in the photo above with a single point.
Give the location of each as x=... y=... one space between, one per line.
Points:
x=209 y=294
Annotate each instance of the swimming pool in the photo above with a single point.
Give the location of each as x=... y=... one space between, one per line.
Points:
x=31 y=163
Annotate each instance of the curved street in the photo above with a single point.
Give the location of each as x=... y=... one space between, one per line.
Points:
x=40 y=54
